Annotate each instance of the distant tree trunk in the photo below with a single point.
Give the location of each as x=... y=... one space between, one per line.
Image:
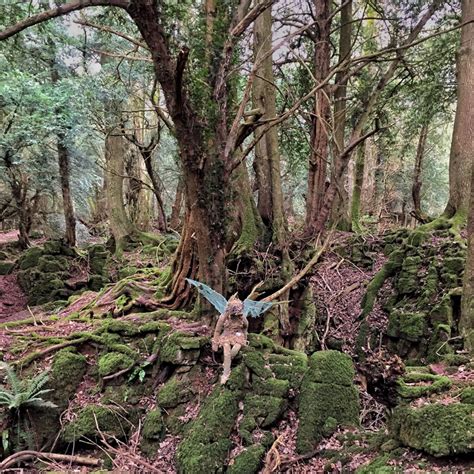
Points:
x=177 y=206
x=319 y=153
x=119 y=222
x=357 y=192
x=466 y=324
x=417 y=183
x=462 y=145
x=341 y=163
x=267 y=153
x=64 y=176
x=340 y=212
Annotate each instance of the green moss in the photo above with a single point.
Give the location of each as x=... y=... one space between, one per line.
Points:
x=85 y=425
x=467 y=395
x=48 y=264
x=30 y=258
x=173 y=393
x=331 y=367
x=181 y=348
x=206 y=443
x=273 y=387
x=67 y=371
x=377 y=466
x=248 y=461
x=113 y=362
x=153 y=427
x=6 y=267
x=255 y=361
x=439 y=430
x=407 y=389
x=408 y=326
x=317 y=403
x=259 y=341
x=265 y=409
x=291 y=368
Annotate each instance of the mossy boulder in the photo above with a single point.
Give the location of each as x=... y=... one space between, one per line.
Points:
x=248 y=461
x=98 y=258
x=410 y=326
x=467 y=395
x=427 y=384
x=92 y=416
x=30 y=258
x=49 y=264
x=327 y=392
x=67 y=371
x=206 y=443
x=181 y=348
x=97 y=282
x=113 y=362
x=173 y=393
x=437 y=429
x=152 y=433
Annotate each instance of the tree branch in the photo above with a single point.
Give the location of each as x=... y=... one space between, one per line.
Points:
x=59 y=11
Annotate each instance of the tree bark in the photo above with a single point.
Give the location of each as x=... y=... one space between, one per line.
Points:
x=340 y=212
x=177 y=205
x=466 y=324
x=267 y=153
x=65 y=179
x=319 y=154
x=462 y=145
x=119 y=222
x=417 y=183
x=357 y=192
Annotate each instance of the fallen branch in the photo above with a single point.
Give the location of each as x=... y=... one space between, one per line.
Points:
x=302 y=273
x=26 y=455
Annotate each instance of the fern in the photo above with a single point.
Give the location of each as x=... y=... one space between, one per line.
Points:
x=24 y=393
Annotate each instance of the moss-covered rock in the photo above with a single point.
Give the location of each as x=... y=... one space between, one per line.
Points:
x=331 y=367
x=67 y=371
x=327 y=391
x=85 y=425
x=428 y=384
x=437 y=429
x=410 y=326
x=30 y=258
x=248 y=461
x=467 y=395
x=113 y=362
x=181 y=348
x=6 y=267
x=173 y=393
x=49 y=264
x=206 y=443
x=152 y=433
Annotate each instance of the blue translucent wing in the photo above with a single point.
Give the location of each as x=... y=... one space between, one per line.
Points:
x=216 y=299
x=256 y=308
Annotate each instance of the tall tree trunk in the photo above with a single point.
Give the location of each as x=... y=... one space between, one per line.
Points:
x=65 y=176
x=356 y=136
x=466 y=324
x=357 y=192
x=319 y=154
x=340 y=211
x=119 y=222
x=65 y=179
x=267 y=153
x=417 y=183
x=462 y=145
x=177 y=205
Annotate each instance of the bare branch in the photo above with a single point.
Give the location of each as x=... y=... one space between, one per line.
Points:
x=59 y=11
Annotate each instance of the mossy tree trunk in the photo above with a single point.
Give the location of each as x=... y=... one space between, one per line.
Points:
x=417 y=183
x=462 y=145
x=357 y=192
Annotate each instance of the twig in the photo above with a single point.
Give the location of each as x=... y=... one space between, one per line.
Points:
x=302 y=273
x=26 y=455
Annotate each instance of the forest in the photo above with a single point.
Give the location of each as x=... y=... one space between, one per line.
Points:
x=237 y=236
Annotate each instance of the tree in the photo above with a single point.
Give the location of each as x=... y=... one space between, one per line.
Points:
x=462 y=145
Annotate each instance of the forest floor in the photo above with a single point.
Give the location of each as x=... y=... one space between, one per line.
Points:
x=339 y=286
